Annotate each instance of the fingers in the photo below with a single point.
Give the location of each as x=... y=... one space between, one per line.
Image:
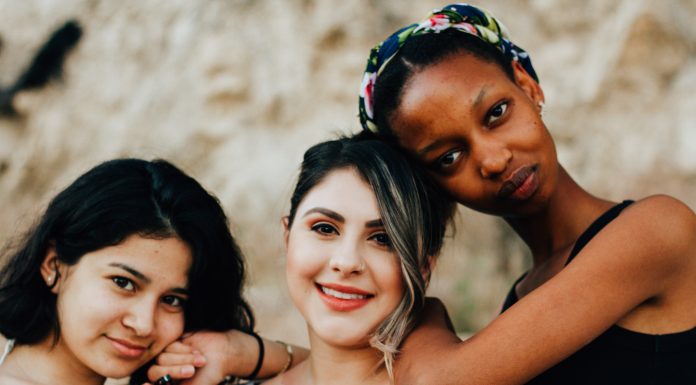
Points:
x=179 y=365
x=179 y=347
x=177 y=372
x=177 y=359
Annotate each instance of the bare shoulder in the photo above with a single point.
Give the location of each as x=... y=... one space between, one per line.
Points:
x=665 y=205
x=657 y=235
x=665 y=220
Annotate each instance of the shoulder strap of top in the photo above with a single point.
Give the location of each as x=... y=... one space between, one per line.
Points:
x=583 y=239
x=511 y=298
x=596 y=227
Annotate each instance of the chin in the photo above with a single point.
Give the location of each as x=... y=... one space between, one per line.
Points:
x=116 y=369
x=344 y=337
x=348 y=341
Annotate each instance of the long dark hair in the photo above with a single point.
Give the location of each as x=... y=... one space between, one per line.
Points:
x=414 y=210
x=102 y=208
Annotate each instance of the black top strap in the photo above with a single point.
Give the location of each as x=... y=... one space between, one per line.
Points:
x=596 y=227
x=583 y=240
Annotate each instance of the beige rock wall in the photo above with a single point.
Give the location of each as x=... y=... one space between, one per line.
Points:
x=234 y=91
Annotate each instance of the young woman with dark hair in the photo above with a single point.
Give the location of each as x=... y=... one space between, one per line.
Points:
x=610 y=296
x=123 y=261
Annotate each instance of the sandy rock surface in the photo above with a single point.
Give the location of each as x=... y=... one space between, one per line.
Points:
x=234 y=91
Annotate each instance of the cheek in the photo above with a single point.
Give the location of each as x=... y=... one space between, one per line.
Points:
x=303 y=264
x=85 y=305
x=465 y=187
x=171 y=326
x=388 y=277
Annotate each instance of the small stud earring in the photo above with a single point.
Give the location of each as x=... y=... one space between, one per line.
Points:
x=49 y=280
x=541 y=108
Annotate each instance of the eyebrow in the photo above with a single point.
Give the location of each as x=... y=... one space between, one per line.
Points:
x=131 y=270
x=425 y=150
x=329 y=213
x=338 y=217
x=145 y=278
x=479 y=98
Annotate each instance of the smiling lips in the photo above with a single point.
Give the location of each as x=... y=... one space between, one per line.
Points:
x=521 y=185
x=343 y=298
x=126 y=348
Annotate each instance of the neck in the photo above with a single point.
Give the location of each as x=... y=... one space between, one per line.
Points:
x=335 y=365
x=557 y=225
x=45 y=364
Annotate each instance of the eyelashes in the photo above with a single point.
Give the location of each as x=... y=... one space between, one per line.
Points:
x=124 y=283
x=382 y=239
x=130 y=286
x=497 y=112
x=325 y=230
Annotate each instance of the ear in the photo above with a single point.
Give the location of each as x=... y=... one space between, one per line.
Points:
x=285 y=220
x=51 y=269
x=527 y=83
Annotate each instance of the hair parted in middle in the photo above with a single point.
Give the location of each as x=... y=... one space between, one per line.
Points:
x=414 y=210
x=103 y=207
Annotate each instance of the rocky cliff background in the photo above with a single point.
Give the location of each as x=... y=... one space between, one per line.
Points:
x=235 y=91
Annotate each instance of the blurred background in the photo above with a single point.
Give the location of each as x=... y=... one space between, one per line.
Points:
x=235 y=91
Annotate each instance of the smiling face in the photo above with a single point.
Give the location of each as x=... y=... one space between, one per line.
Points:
x=480 y=134
x=342 y=273
x=121 y=305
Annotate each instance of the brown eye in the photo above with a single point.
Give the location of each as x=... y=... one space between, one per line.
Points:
x=382 y=239
x=448 y=159
x=324 y=229
x=173 y=301
x=124 y=283
x=497 y=112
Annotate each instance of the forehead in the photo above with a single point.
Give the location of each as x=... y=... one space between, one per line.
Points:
x=442 y=95
x=166 y=259
x=345 y=191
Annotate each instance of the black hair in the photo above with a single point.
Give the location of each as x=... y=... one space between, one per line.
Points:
x=418 y=53
x=103 y=207
x=414 y=210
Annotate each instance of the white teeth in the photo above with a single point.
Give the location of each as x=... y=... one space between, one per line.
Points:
x=341 y=295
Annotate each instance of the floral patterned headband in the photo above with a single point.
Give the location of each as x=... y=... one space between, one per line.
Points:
x=461 y=17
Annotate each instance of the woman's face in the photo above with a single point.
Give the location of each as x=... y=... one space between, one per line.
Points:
x=121 y=305
x=480 y=134
x=342 y=273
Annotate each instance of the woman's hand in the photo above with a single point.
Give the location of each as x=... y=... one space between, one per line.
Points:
x=206 y=358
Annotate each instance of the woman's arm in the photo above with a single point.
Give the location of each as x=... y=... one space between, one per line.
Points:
x=643 y=254
x=205 y=358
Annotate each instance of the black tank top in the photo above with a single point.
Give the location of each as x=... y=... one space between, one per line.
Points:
x=621 y=356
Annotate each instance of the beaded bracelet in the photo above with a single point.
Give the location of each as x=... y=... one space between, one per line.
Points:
x=291 y=354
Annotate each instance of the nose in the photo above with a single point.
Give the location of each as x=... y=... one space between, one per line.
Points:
x=140 y=317
x=493 y=159
x=347 y=260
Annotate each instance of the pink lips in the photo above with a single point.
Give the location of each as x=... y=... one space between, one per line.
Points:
x=126 y=348
x=521 y=185
x=343 y=304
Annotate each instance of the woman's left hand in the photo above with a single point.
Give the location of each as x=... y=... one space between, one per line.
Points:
x=204 y=358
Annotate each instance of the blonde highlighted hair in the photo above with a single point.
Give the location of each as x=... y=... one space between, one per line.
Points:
x=415 y=213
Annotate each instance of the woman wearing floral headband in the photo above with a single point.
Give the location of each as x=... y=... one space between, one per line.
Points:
x=610 y=296
x=609 y=299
